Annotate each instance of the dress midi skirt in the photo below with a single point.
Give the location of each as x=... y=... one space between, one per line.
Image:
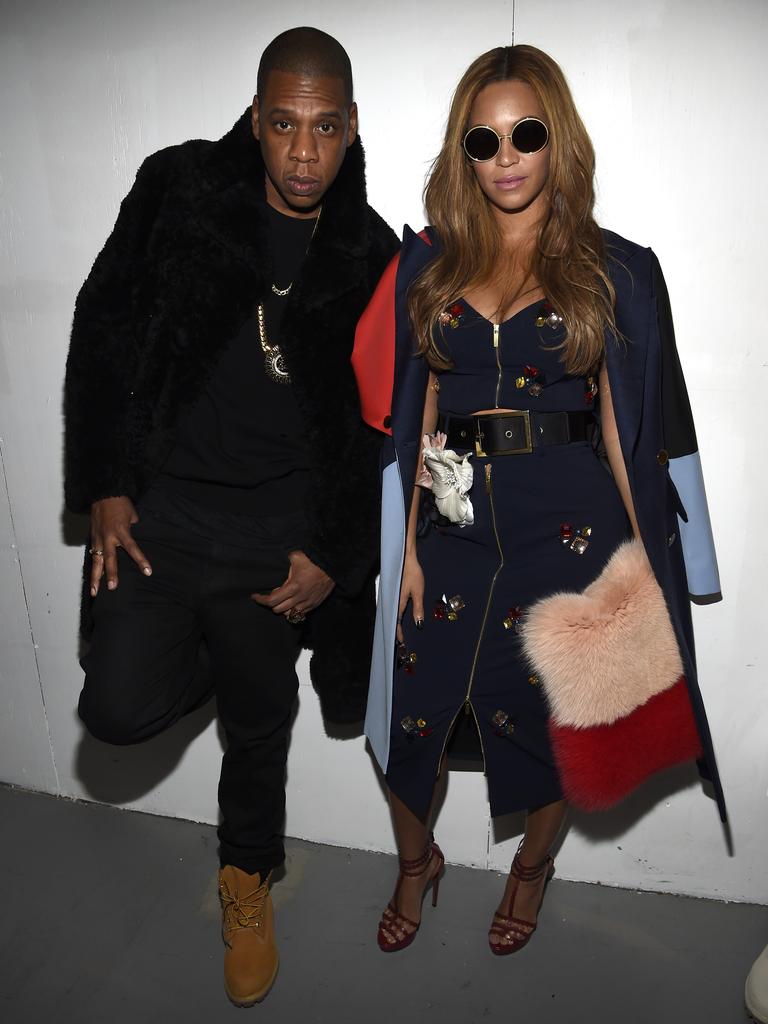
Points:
x=545 y=521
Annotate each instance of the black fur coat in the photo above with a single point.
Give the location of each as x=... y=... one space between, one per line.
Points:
x=186 y=263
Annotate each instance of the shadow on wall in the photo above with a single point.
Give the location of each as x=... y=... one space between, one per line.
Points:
x=124 y=774
x=599 y=826
x=610 y=824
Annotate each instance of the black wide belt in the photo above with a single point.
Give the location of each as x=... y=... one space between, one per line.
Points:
x=516 y=432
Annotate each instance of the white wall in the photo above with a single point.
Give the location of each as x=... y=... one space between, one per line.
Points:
x=672 y=94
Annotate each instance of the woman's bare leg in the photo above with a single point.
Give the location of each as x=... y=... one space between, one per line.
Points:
x=412 y=836
x=522 y=899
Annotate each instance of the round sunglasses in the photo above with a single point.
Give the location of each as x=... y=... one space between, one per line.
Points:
x=481 y=142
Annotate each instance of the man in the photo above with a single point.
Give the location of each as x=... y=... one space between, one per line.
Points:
x=213 y=433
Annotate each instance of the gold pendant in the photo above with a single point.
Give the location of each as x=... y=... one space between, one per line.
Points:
x=275 y=366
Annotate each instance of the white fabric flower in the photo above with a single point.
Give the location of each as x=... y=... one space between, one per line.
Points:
x=432 y=442
x=450 y=476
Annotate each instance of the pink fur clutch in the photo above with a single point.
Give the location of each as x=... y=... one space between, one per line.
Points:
x=610 y=666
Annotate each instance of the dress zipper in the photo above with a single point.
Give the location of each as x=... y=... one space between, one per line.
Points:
x=467 y=702
x=496 y=330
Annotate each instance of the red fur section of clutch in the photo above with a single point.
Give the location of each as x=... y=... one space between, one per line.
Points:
x=599 y=766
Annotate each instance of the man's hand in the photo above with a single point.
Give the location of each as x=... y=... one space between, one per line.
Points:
x=306 y=587
x=111 y=521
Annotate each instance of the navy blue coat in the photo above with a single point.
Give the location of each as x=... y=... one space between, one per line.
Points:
x=656 y=432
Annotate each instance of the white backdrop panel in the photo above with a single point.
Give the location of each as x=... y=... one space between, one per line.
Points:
x=670 y=93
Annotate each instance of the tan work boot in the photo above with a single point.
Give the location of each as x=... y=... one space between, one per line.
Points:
x=248 y=930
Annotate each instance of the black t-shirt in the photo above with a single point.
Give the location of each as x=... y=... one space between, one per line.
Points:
x=242 y=447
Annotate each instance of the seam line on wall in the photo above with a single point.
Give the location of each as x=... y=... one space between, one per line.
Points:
x=29 y=617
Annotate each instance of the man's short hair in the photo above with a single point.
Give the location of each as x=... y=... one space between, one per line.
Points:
x=306 y=51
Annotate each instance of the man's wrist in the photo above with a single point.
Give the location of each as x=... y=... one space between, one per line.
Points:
x=314 y=565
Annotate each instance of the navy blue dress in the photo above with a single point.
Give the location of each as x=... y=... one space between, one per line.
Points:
x=543 y=522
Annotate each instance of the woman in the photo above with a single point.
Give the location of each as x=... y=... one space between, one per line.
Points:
x=539 y=342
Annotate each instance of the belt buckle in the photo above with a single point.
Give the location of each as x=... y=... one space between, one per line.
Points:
x=526 y=449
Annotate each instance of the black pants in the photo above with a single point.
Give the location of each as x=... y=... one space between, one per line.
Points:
x=143 y=670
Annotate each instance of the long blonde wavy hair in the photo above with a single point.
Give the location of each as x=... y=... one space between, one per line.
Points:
x=568 y=260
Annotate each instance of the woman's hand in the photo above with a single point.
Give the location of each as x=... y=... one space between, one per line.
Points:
x=412 y=585
x=411 y=589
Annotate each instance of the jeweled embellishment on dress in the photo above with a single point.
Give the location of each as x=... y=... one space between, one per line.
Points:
x=502 y=724
x=451 y=316
x=418 y=729
x=576 y=540
x=547 y=317
x=406 y=659
x=531 y=378
x=448 y=607
x=514 y=618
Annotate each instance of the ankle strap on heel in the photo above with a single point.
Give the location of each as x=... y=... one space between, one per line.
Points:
x=528 y=874
x=413 y=868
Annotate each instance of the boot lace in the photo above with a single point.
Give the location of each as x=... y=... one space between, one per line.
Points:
x=241 y=912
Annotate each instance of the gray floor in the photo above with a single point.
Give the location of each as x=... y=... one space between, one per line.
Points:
x=110 y=916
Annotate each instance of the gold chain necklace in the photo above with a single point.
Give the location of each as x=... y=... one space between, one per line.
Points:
x=274 y=361
x=282 y=292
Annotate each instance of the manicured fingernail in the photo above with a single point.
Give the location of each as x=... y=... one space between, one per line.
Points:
x=111 y=585
x=419 y=623
x=93 y=591
x=147 y=571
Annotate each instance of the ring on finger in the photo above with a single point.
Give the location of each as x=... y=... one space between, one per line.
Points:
x=97 y=552
x=294 y=616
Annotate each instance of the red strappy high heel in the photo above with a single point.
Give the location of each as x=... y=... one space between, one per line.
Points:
x=392 y=921
x=515 y=930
